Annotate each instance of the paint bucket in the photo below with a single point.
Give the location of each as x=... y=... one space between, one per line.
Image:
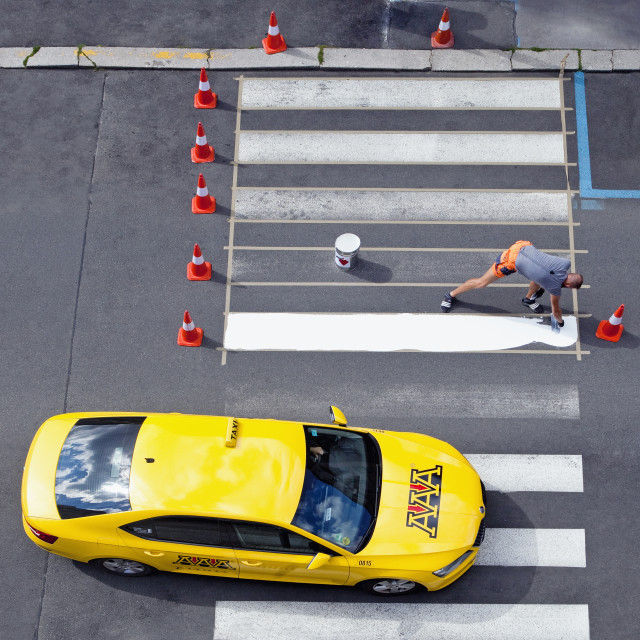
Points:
x=347 y=247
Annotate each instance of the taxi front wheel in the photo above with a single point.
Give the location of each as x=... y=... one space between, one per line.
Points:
x=390 y=586
x=122 y=567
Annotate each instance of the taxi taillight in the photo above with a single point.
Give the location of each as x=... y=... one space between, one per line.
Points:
x=41 y=535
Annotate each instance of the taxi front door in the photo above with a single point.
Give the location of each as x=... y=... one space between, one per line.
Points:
x=265 y=552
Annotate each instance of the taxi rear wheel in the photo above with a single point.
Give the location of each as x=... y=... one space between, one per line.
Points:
x=122 y=567
x=390 y=586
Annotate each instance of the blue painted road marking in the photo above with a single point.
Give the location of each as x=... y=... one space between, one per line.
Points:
x=584 y=158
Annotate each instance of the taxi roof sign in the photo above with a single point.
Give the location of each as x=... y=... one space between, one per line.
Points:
x=232 y=433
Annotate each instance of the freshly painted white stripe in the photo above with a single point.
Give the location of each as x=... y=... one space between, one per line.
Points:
x=386 y=148
x=533 y=548
x=389 y=332
x=201 y=140
x=512 y=472
x=414 y=401
x=344 y=93
x=247 y=620
x=468 y=206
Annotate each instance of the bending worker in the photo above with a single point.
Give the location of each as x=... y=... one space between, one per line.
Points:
x=542 y=270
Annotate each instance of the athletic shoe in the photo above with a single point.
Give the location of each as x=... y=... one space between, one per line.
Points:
x=537 y=294
x=536 y=307
x=445 y=305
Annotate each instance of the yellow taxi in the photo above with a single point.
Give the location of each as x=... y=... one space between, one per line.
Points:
x=388 y=511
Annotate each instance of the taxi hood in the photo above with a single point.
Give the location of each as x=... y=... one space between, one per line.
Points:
x=431 y=497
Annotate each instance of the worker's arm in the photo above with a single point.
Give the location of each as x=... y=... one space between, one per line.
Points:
x=555 y=309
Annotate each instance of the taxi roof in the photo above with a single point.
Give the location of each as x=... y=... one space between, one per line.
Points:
x=193 y=471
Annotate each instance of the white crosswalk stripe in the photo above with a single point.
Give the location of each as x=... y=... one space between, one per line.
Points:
x=408 y=93
x=382 y=621
x=409 y=205
x=378 y=147
x=518 y=472
x=421 y=402
x=389 y=332
x=533 y=548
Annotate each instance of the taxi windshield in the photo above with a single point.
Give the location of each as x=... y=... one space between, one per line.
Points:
x=339 y=500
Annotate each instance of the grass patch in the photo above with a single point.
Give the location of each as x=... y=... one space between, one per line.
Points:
x=321 y=54
x=33 y=53
x=81 y=52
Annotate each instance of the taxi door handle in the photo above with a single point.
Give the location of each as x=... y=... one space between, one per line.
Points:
x=249 y=563
x=154 y=554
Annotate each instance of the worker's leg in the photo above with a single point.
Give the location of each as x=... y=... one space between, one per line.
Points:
x=475 y=283
x=534 y=287
x=531 y=300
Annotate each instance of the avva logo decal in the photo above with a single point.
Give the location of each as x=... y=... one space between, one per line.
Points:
x=424 y=500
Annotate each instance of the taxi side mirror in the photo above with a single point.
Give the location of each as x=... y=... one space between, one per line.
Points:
x=319 y=560
x=337 y=417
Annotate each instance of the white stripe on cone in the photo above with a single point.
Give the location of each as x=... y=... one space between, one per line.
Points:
x=202 y=191
x=444 y=26
x=201 y=140
x=197 y=260
x=614 y=320
x=204 y=86
x=188 y=327
x=274 y=31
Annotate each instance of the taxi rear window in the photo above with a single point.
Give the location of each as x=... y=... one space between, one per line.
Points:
x=93 y=470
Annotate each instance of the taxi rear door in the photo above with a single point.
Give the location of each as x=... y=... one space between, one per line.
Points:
x=183 y=544
x=267 y=552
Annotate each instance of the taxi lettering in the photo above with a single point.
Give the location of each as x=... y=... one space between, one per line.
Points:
x=423 y=509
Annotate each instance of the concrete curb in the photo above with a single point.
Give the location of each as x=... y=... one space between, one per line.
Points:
x=320 y=58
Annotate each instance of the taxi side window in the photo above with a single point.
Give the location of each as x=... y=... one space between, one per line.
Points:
x=187 y=530
x=265 y=537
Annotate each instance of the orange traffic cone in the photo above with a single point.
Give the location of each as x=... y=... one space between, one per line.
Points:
x=205 y=98
x=611 y=329
x=202 y=152
x=274 y=42
x=189 y=335
x=443 y=37
x=198 y=269
x=202 y=202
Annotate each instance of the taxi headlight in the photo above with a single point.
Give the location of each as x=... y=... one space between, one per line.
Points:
x=445 y=571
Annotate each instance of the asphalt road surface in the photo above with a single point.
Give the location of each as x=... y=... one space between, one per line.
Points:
x=375 y=24
x=96 y=235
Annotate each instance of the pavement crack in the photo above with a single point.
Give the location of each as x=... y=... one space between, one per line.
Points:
x=516 y=39
x=84 y=244
x=36 y=631
x=386 y=24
